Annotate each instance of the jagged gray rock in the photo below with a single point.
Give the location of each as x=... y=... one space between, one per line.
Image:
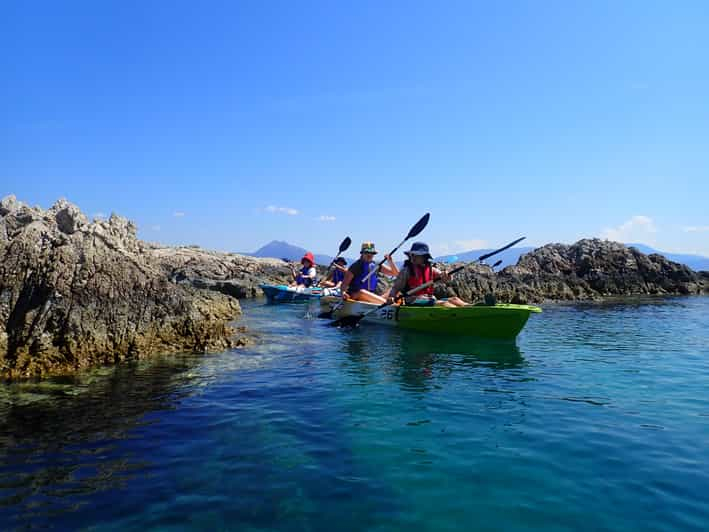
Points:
x=229 y=273
x=75 y=293
x=589 y=269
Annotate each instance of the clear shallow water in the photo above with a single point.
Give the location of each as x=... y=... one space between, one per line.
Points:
x=597 y=420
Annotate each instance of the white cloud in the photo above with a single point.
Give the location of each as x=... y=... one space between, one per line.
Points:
x=155 y=228
x=178 y=214
x=326 y=218
x=696 y=229
x=640 y=229
x=282 y=210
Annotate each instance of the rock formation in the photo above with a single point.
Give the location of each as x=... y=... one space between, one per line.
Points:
x=75 y=293
x=589 y=269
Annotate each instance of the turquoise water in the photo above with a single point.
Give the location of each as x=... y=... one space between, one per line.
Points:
x=598 y=419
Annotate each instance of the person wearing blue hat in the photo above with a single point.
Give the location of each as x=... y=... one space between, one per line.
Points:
x=418 y=270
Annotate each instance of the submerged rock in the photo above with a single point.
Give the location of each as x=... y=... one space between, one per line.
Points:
x=589 y=269
x=75 y=293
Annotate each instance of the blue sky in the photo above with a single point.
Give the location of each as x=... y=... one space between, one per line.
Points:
x=229 y=124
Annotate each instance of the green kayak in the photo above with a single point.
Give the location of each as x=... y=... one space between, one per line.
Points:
x=500 y=321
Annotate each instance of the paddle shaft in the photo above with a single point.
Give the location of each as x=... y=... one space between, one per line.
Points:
x=344 y=246
x=329 y=269
x=456 y=270
x=414 y=231
x=381 y=262
x=412 y=292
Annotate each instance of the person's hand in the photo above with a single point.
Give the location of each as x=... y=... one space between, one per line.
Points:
x=445 y=277
x=345 y=296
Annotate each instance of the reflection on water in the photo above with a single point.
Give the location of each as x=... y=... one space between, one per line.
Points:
x=413 y=357
x=60 y=438
x=315 y=428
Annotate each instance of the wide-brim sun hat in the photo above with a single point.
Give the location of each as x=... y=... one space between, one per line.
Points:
x=309 y=256
x=341 y=260
x=419 y=248
x=368 y=247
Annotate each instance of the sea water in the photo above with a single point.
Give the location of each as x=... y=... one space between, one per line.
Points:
x=596 y=419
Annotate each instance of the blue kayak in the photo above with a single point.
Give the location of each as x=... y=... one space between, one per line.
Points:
x=280 y=293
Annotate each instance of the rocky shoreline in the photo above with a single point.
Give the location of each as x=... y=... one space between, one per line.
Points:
x=76 y=293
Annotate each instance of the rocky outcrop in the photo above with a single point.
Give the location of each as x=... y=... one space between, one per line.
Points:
x=589 y=269
x=235 y=275
x=75 y=293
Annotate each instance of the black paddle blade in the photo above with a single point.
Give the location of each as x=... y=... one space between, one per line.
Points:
x=346 y=321
x=488 y=255
x=345 y=244
x=420 y=226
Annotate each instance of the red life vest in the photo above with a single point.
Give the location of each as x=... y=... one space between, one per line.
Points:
x=419 y=275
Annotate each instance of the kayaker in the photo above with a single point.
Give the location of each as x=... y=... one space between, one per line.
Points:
x=353 y=285
x=307 y=274
x=418 y=270
x=334 y=280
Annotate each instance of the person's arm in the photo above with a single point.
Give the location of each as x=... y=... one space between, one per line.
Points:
x=438 y=274
x=390 y=268
x=346 y=284
x=399 y=284
x=354 y=270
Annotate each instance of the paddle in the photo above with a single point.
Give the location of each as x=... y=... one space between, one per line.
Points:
x=415 y=230
x=354 y=320
x=290 y=265
x=344 y=246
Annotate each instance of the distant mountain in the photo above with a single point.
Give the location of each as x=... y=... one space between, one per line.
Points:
x=509 y=256
x=283 y=250
x=696 y=262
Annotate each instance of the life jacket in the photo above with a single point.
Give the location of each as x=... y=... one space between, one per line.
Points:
x=419 y=275
x=338 y=276
x=302 y=278
x=358 y=282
